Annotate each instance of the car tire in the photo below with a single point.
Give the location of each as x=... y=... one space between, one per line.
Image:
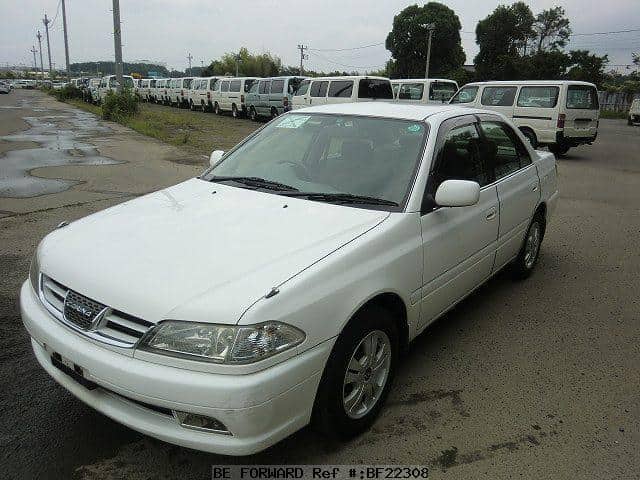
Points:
x=203 y=107
x=253 y=115
x=234 y=111
x=529 y=253
x=531 y=136
x=558 y=150
x=274 y=112
x=216 y=109
x=353 y=388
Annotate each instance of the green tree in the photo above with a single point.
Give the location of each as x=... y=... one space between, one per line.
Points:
x=636 y=58
x=407 y=41
x=503 y=37
x=261 y=65
x=551 y=30
x=587 y=66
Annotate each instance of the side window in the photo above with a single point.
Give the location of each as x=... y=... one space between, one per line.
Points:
x=538 y=97
x=248 y=83
x=213 y=84
x=277 y=86
x=498 y=96
x=254 y=87
x=411 y=91
x=224 y=86
x=234 y=86
x=459 y=158
x=502 y=149
x=322 y=92
x=442 y=91
x=264 y=86
x=315 y=89
x=303 y=88
x=341 y=88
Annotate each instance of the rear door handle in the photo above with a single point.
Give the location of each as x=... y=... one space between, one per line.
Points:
x=534 y=187
x=491 y=214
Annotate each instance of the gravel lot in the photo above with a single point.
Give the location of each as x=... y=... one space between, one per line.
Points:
x=538 y=379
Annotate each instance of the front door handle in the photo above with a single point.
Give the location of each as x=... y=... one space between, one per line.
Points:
x=534 y=187
x=491 y=214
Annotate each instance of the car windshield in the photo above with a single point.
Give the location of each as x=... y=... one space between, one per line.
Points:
x=329 y=154
x=465 y=95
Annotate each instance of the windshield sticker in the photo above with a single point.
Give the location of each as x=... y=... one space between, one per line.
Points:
x=414 y=128
x=293 y=121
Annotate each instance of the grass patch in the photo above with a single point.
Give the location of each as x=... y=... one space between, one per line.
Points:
x=196 y=132
x=612 y=114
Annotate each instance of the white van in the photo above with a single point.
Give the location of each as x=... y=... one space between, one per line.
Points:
x=323 y=90
x=160 y=90
x=200 y=93
x=229 y=95
x=634 y=112
x=423 y=90
x=108 y=84
x=178 y=91
x=557 y=113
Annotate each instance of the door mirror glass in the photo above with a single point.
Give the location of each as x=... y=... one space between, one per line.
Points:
x=457 y=193
x=216 y=155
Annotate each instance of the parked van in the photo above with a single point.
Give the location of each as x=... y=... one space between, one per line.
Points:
x=94 y=90
x=109 y=83
x=178 y=91
x=270 y=97
x=423 y=90
x=160 y=91
x=230 y=95
x=200 y=93
x=559 y=114
x=319 y=91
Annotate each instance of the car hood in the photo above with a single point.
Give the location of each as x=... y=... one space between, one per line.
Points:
x=197 y=251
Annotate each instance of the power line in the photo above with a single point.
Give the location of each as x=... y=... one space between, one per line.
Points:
x=345 y=49
x=348 y=66
x=604 y=33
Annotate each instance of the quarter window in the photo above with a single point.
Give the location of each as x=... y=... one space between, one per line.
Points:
x=442 y=91
x=411 y=91
x=374 y=88
x=459 y=157
x=538 y=97
x=502 y=149
x=582 y=97
x=341 y=89
x=498 y=96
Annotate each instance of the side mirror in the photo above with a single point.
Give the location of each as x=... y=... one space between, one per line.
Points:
x=215 y=157
x=457 y=193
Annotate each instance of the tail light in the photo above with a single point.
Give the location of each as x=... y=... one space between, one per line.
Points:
x=561 y=119
x=209 y=95
x=285 y=101
x=241 y=98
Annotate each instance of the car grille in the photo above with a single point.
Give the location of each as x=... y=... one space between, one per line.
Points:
x=90 y=317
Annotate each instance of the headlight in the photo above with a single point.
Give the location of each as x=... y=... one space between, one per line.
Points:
x=34 y=271
x=221 y=343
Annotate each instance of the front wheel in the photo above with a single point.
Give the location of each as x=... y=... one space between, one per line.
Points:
x=530 y=250
x=234 y=111
x=358 y=374
x=558 y=150
x=253 y=115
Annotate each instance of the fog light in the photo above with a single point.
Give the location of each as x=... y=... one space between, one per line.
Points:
x=200 y=422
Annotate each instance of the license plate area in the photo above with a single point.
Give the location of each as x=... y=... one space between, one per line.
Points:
x=71 y=369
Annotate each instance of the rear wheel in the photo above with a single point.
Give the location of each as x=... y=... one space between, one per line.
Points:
x=529 y=252
x=216 y=109
x=234 y=111
x=253 y=115
x=358 y=374
x=558 y=149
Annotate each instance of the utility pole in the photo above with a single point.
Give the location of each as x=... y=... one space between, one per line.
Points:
x=302 y=48
x=40 y=47
x=430 y=27
x=66 y=41
x=189 y=57
x=237 y=63
x=35 y=64
x=46 y=22
x=117 y=40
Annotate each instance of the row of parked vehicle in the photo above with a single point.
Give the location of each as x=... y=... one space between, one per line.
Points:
x=557 y=114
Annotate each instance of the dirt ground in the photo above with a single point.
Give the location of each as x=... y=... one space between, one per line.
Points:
x=537 y=379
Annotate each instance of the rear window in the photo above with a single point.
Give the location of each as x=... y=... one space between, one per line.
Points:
x=583 y=97
x=442 y=91
x=498 y=96
x=234 y=86
x=341 y=89
x=374 y=88
x=465 y=95
x=410 y=91
x=303 y=88
x=538 y=97
x=277 y=86
x=248 y=84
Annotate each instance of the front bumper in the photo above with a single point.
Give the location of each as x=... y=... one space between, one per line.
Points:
x=259 y=409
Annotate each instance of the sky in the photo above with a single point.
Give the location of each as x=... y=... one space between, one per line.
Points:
x=168 y=30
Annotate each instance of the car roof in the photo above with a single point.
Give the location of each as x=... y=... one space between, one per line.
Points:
x=390 y=110
x=401 y=80
x=531 y=82
x=348 y=77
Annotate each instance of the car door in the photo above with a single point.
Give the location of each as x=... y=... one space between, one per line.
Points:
x=276 y=93
x=318 y=92
x=517 y=183
x=458 y=243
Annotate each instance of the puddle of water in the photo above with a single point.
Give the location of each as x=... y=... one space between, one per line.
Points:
x=60 y=139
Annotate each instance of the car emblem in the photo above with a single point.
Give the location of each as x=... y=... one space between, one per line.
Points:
x=82 y=311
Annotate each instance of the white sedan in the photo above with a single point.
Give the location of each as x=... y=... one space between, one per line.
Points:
x=281 y=286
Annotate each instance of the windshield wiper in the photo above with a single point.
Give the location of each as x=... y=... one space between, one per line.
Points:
x=341 y=198
x=255 y=182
